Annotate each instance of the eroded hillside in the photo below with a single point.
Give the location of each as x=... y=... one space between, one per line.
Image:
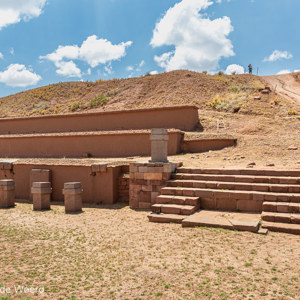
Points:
x=218 y=92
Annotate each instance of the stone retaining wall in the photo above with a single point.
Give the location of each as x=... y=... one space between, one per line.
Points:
x=146 y=182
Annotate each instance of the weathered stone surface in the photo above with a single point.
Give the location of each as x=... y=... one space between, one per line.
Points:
x=7 y=193
x=73 y=197
x=159 y=145
x=41 y=192
x=99 y=168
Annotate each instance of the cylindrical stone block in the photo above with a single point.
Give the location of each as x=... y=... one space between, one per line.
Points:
x=41 y=192
x=73 y=197
x=159 y=145
x=7 y=193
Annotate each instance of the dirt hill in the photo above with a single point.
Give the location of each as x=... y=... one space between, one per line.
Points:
x=218 y=92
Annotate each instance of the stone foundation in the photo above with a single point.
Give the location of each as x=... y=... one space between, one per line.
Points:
x=123 y=188
x=146 y=181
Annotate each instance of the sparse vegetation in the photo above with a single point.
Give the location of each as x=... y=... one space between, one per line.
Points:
x=99 y=100
x=117 y=256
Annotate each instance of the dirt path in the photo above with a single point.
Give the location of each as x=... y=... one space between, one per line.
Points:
x=285 y=85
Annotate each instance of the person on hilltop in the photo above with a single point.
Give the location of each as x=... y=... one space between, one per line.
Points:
x=250 y=69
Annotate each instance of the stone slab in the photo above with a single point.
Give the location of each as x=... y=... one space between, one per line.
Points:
x=226 y=220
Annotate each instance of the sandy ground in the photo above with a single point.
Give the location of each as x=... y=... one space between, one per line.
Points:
x=286 y=85
x=115 y=253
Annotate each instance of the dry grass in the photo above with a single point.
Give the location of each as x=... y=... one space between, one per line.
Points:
x=208 y=92
x=115 y=253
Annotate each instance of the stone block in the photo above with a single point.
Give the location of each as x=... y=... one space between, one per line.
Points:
x=7 y=193
x=41 y=192
x=208 y=203
x=154 y=195
x=6 y=165
x=39 y=175
x=147 y=188
x=249 y=205
x=152 y=176
x=73 y=197
x=226 y=204
x=99 y=168
x=159 y=145
x=144 y=205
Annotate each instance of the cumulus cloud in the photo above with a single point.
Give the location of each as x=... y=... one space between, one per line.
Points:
x=13 y=11
x=237 y=69
x=68 y=69
x=1 y=55
x=93 y=51
x=276 y=55
x=284 y=72
x=296 y=71
x=199 y=41
x=154 y=72
x=17 y=75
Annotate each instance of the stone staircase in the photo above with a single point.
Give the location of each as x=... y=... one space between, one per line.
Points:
x=275 y=194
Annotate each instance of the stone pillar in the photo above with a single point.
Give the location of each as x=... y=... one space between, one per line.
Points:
x=146 y=181
x=39 y=175
x=41 y=192
x=73 y=197
x=7 y=193
x=159 y=145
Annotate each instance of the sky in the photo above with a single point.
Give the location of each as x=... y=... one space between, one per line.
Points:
x=49 y=41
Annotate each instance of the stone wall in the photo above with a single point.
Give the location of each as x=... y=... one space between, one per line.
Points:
x=146 y=181
x=123 y=188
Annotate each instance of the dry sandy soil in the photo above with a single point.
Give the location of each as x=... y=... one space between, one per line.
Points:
x=287 y=85
x=114 y=253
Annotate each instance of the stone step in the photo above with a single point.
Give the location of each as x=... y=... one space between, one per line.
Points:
x=181 y=200
x=174 y=209
x=281 y=217
x=226 y=220
x=231 y=194
x=238 y=178
x=281 y=207
x=261 y=187
x=165 y=218
x=284 y=173
x=282 y=227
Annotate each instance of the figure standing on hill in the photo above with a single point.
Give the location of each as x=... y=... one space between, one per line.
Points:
x=250 y=69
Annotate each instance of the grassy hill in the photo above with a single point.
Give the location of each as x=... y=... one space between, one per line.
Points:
x=218 y=92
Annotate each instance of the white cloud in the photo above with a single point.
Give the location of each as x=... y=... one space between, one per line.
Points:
x=164 y=60
x=1 y=55
x=13 y=11
x=100 y=51
x=296 y=71
x=129 y=68
x=68 y=69
x=12 y=51
x=237 y=69
x=17 y=75
x=199 y=42
x=284 y=72
x=276 y=55
x=154 y=72
x=93 y=51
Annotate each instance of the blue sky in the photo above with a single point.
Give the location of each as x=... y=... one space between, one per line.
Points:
x=48 y=41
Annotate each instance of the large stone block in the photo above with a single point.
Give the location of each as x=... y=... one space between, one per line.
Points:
x=41 y=192
x=73 y=197
x=7 y=193
x=159 y=145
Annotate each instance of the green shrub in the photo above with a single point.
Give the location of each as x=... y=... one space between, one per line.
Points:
x=75 y=106
x=99 y=100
